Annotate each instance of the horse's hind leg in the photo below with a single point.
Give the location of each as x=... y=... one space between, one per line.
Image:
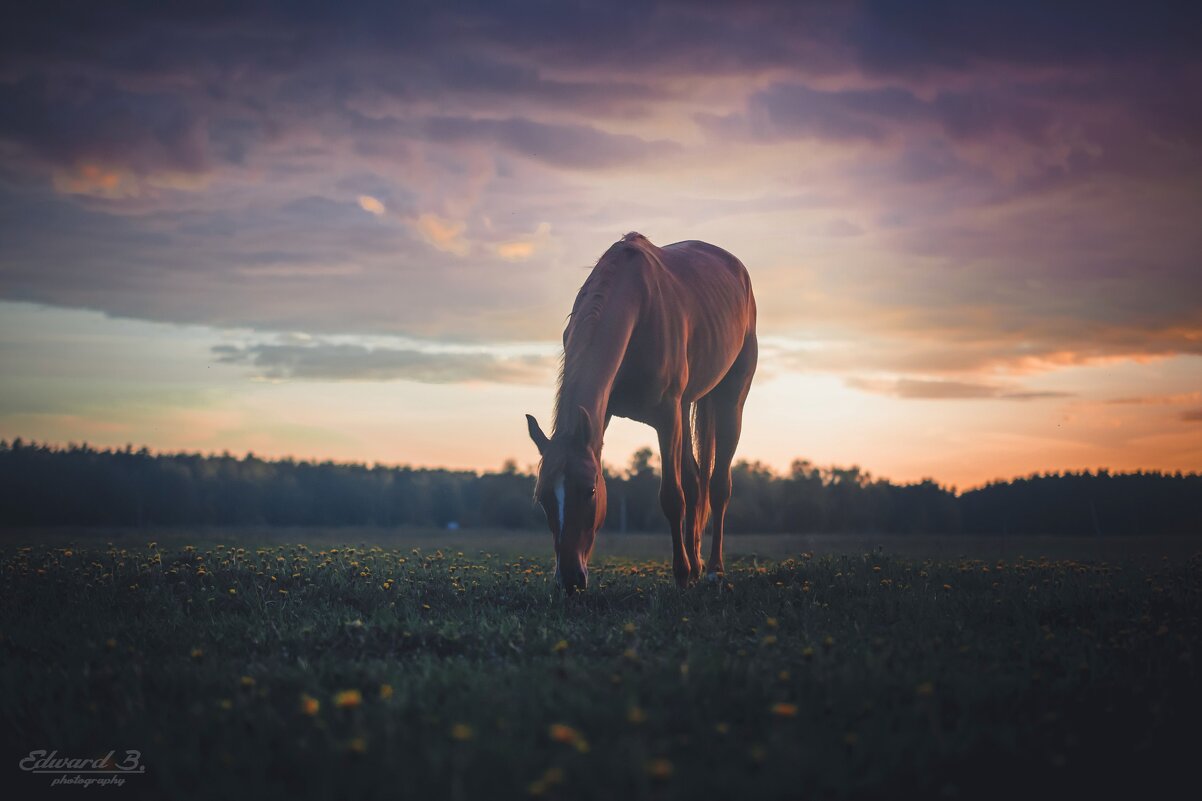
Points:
x=729 y=397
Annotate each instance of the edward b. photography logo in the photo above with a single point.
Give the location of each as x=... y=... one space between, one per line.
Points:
x=101 y=771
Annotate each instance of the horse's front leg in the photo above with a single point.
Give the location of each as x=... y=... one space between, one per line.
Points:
x=671 y=494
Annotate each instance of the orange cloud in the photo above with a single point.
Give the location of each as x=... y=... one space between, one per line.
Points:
x=372 y=205
x=444 y=234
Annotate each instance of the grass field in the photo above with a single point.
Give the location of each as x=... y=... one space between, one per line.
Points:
x=273 y=670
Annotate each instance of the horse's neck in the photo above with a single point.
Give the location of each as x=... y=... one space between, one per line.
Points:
x=590 y=367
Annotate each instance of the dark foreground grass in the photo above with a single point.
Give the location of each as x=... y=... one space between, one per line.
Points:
x=297 y=672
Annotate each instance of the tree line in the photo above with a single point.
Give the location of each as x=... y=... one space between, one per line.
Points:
x=79 y=485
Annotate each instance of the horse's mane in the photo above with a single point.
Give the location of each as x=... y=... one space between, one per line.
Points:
x=590 y=305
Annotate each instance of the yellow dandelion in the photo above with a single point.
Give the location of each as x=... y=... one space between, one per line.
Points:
x=807 y=653
x=385 y=691
x=309 y=705
x=233 y=591
x=196 y=653
x=769 y=640
x=659 y=768
x=783 y=709
x=771 y=623
x=247 y=681
x=358 y=745
x=225 y=703
x=462 y=732
x=562 y=733
x=559 y=647
x=636 y=715
x=629 y=628
x=348 y=699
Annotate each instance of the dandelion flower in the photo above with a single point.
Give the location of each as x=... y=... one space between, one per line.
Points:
x=247 y=681
x=659 y=769
x=462 y=732
x=783 y=709
x=358 y=745
x=636 y=715
x=559 y=647
x=385 y=691
x=348 y=699
x=309 y=705
x=562 y=733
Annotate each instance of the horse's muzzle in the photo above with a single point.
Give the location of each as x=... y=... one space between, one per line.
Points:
x=572 y=577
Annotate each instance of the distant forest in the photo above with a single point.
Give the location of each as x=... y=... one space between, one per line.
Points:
x=79 y=485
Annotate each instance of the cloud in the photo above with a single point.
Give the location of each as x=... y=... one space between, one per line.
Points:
x=446 y=235
x=324 y=361
x=569 y=146
x=523 y=248
x=372 y=205
x=1192 y=415
x=938 y=389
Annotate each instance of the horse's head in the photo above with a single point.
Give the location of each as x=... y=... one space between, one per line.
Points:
x=571 y=490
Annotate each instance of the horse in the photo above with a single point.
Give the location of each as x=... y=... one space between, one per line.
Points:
x=654 y=333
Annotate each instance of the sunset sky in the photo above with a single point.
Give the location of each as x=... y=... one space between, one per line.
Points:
x=355 y=230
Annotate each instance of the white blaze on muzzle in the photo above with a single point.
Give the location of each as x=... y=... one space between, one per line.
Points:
x=559 y=504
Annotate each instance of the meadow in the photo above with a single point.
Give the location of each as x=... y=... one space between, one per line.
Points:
x=448 y=667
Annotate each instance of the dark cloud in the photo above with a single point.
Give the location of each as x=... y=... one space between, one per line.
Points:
x=323 y=361
x=571 y=146
x=930 y=389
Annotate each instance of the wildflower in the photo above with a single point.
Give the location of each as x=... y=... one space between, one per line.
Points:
x=783 y=709
x=562 y=733
x=769 y=640
x=771 y=623
x=807 y=653
x=233 y=591
x=196 y=653
x=628 y=628
x=722 y=728
x=947 y=587
x=385 y=691
x=828 y=641
x=309 y=705
x=636 y=715
x=225 y=703
x=358 y=745
x=247 y=681
x=347 y=699
x=462 y=732
x=559 y=647
x=659 y=768
x=111 y=643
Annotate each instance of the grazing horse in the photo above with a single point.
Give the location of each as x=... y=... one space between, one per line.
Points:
x=654 y=332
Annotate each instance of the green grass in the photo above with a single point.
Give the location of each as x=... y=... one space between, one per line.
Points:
x=834 y=675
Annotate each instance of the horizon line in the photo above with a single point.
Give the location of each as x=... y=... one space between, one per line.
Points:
x=9 y=444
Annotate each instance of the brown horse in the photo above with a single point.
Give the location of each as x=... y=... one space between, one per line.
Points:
x=653 y=332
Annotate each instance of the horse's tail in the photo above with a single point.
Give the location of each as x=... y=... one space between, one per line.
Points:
x=703 y=436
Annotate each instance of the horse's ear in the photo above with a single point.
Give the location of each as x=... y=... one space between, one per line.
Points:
x=536 y=434
x=584 y=426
